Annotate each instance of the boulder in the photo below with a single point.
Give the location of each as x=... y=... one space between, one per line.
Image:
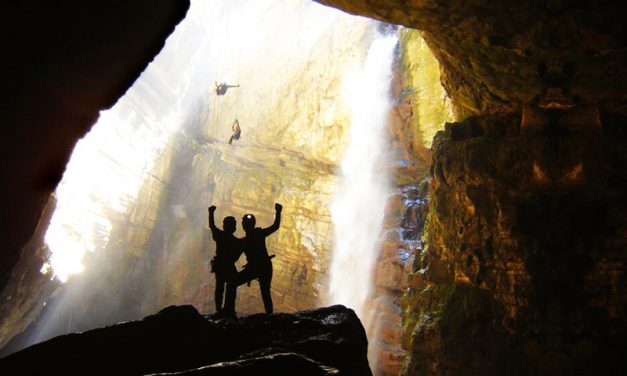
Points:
x=317 y=342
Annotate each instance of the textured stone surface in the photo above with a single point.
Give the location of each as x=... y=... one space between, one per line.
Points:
x=421 y=109
x=178 y=338
x=525 y=266
x=497 y=55
x=282 y=363
x=524 y=271
x=294 y=129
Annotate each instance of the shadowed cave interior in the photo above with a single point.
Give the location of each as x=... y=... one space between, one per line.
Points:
x=470 y=155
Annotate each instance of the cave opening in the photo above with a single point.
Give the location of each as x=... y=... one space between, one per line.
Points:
x=127 y=232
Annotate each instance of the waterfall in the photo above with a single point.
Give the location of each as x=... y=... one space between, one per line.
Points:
x=359 y=204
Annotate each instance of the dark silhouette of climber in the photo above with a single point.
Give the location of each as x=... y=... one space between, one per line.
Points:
x=223 y=87
x=259 y=265
x=228 y=250
x=237 y=131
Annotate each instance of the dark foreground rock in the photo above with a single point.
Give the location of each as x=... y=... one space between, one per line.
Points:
x=324 y=341
x=275 y=364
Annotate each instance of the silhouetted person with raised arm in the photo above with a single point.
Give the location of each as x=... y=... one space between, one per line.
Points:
x=237 y=131
x=228 y=250
x=223 y=87
x=259 y=262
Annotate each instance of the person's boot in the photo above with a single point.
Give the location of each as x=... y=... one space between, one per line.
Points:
x=217 y=315
x=229 y=315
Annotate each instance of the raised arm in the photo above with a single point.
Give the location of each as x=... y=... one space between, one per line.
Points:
x=277 y=220
x=212 y=222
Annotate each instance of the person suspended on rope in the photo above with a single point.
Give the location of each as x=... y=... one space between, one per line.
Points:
x=259 y=265
x=237 y=131
x=223 y=87
x=228 y=250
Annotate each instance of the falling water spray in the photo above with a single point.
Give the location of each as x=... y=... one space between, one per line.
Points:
x=358 y=206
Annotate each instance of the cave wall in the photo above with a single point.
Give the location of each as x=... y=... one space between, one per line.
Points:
x=421 y=109
x=523 y=269
x=294 y=128
x=59 y=72
x=497 y=56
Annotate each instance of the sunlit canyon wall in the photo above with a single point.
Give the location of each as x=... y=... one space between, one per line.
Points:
x=155 y=162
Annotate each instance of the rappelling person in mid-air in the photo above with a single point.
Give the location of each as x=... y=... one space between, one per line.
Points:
x=228 y=250
x=223 y=87
x=237 y=131
x=259 y=265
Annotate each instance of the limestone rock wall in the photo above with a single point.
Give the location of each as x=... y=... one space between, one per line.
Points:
x=421 y=110
x=523 y=273
x=293 y=133
x=524 y=269
x=497 y=56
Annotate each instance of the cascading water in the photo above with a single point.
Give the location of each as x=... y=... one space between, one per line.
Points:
x=359 y=204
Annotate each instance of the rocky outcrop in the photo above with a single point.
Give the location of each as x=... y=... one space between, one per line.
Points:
x=281 y=363
x=319 y=342
x=496 y=56
x=525 y=267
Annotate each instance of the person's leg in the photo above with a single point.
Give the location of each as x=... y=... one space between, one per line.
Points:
x=231 y=296
x=231 y=289
x=219 y=293
x=265 y=281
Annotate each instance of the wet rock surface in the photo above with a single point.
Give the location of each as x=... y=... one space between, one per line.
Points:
x=524 y=272
x=324 y=341
x=498 y=55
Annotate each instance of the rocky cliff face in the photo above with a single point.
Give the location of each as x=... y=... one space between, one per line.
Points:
x=421 y=110
x=524 y=266
x=497 y=56
x=524 y=269
x=293 y=135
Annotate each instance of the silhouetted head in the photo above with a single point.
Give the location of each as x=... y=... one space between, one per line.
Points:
x=248 y=222
x=229 y=224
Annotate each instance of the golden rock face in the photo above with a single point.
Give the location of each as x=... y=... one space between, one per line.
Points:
x=428 y=104
x=294 y=124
